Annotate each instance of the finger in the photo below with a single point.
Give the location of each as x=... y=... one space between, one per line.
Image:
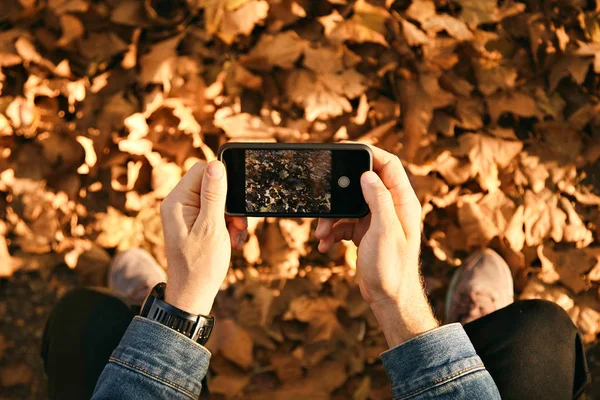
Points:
x=240 y=223
x=237 y=227
x=182 y=205
x=213 y=194
x=324 y=226
x=379 y=199
x=191 y=183
x=394 y=177
x=236 y=236
x=343 y=230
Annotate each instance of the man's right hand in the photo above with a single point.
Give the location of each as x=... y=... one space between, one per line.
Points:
x=388 y=241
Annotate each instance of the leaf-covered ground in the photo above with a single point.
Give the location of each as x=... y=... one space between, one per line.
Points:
x=492 y=106
x=288 y=181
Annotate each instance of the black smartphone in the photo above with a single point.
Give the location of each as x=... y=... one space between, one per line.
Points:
x=296 y=180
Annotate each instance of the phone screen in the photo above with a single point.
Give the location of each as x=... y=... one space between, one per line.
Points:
x=288 y=181
x=295 y=179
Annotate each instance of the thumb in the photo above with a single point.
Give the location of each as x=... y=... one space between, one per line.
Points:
x=379 y=199
x=213 y=193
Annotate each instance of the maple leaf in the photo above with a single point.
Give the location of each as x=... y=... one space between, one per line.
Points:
x=366 y=25
x=281 y=50
x=229 y=18
x=324 y=95
x=487 y=154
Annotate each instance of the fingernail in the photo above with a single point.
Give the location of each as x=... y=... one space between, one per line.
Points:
x=320 y=246
x=370 y=177
x=215 y=169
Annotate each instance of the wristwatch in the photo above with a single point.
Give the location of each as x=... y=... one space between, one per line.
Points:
x=196 y=327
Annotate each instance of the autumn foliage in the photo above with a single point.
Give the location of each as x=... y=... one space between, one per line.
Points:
x=492 y=106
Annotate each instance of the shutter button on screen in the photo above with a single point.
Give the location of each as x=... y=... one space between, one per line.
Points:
x=344 y=182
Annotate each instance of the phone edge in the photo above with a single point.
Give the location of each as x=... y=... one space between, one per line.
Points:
x=324 y=146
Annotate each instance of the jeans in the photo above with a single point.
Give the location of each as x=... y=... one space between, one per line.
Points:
x=531 y=348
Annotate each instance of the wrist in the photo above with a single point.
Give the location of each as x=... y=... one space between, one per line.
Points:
x=193 y=301
x=405 y=318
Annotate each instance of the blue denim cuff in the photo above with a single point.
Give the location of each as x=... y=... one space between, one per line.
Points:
x=429 y=360
x=163 y=355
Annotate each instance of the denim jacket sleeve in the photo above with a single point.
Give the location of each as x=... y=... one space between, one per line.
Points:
x=153 y=362
x=440 y=364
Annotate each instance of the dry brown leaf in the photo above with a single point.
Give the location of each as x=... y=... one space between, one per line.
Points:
x=542 y=217
x=16 y=374
x=418 y=100
x=280 y=50
x=229 y=385
x=563 y=142
x=314 y=59
x=421 y=10
x=514 y=232
x=441 y=244
x=567 y=266
x=517 y=103
x=488 y=154
x=230 y=18
x=590 y=49
x=535 y=173
x=477 y=12
x=492 y=76
x=7 y=264
x=413 y=35
x=575 y=230
x=444 y=22
x=470 y=113
x=483 y=218
x=556 y=294
x=586 y=316
x=320 y=315
x=244 y=126
x=239 y=348
x=158 y=65
x=243 y=20
x=72 y=29
x=165 y=176
x=324 y=95
x=366 y=25
x=64 y=6
x=568 y=65
x=118 y=230
x=454 y=171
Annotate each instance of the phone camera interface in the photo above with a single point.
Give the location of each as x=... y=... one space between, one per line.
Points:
x=288 y=181
x=344 y=182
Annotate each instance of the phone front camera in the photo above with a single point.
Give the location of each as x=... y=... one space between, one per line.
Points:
x=344 y=182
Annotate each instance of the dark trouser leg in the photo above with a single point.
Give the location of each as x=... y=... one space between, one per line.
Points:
x=83 y=330
x=80 y=335
x=532 y=350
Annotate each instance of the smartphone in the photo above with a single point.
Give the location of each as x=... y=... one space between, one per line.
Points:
x=295 y=180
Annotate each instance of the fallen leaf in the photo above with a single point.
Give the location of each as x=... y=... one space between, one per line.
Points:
x=16 y=374
x=569 y=266
x=516 y=103
x=229 y=385
x=366 y=25
x=488 y=155
x=324 y=95
x=239 y=348
x=280 y=50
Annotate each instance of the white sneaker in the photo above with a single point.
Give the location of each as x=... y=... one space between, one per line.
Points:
x=133 y=274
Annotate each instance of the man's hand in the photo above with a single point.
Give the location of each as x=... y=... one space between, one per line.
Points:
x=198 y=237
x=388 y=241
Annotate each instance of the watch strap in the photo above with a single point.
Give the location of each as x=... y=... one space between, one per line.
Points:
x=195 y=327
